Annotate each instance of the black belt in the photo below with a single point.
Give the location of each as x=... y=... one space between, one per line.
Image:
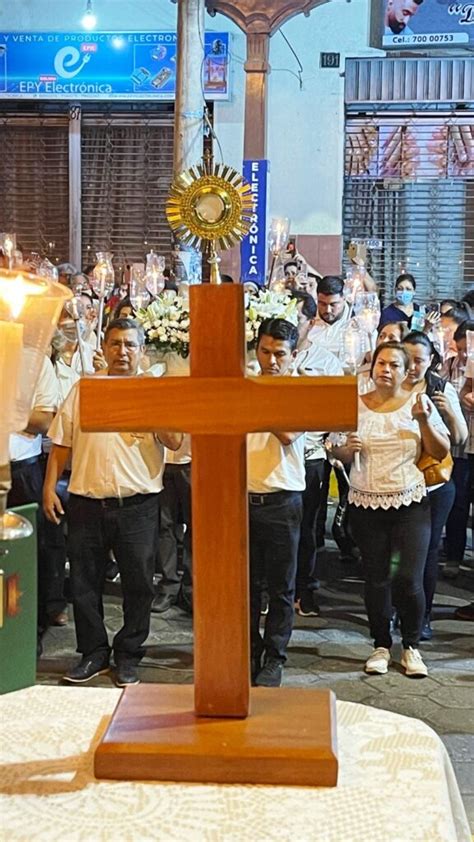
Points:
x=114 y=502
x=266 y=499
x=18 y=464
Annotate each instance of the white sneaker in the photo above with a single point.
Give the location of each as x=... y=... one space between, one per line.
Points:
x=413 y=663
x=377 y=663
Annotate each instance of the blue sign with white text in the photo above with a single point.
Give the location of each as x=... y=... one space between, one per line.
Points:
x=104 y=65
x=426 y=23
x=253 y=250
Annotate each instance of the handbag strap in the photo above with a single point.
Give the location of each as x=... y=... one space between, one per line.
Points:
x=434 y=383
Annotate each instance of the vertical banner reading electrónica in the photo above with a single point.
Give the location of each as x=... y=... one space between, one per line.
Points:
x=253 y=251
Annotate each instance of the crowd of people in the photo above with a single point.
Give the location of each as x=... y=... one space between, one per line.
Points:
x=120 y=503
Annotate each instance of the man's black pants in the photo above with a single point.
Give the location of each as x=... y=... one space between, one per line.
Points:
x=275 y=521
x=130 y=530
x=306 y=577
x=175 y=508
x=27 y=487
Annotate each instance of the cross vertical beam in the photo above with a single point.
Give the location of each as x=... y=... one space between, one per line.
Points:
x=220 y=525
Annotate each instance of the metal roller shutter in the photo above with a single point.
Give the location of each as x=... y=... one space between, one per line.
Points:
x=409 y=169
x=127 y=165
x=34 y=181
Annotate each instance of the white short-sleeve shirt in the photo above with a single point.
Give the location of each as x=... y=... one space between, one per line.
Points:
x=45 y=398
x=315 y=361
x=273 y=466
x=107 y=464
x=391 y=447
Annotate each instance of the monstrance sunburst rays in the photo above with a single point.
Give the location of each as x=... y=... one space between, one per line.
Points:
x=208 y=205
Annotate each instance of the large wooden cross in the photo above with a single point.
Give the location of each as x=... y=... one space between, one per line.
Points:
x=218 y=405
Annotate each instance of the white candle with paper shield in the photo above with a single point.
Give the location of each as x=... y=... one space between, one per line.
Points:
x=29 y=310
x=76 y=310
x=354 y=283
x=440 y=339
x=470 y=346
x=278 y=235
x=278 y=281
x=139 y=294
x=8 y=247
x=352 y=348
x=154 y=277
x=367 y=313
x=102 y=282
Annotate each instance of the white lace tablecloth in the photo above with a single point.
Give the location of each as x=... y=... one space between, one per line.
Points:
x=396 y=783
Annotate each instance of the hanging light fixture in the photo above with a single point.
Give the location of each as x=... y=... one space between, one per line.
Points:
x=89 y=20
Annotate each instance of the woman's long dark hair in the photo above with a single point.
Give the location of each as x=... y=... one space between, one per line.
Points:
x=434 y=382
x=417 y=337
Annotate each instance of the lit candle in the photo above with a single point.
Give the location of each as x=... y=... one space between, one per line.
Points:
x=352 y=347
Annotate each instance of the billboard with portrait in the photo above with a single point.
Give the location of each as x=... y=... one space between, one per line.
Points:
x=421 y=24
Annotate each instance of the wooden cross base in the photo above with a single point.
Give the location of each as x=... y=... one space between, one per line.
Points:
x=290 y=738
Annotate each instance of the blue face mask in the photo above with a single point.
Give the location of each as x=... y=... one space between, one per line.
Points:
x=404 y=296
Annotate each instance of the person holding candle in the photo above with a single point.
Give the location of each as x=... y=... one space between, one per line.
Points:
x=276 y=480
x=114 y=488
x=313 y=361
x=422 y=379
x=27 y=484
x=333 y=315
x=328 y=332
x=388 y=508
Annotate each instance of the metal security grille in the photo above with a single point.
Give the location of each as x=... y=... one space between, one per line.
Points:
x=34 y=182
x=409 y=182
x=395 y=80
x=127 y=164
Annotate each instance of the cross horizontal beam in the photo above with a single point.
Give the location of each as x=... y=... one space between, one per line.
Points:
x=216 y=405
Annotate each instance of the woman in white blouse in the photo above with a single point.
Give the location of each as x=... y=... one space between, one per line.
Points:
x=389 y=510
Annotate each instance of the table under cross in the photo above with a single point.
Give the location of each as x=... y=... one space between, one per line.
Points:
x=157 y=732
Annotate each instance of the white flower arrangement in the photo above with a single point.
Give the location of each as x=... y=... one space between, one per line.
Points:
x=166 y=323
x=266 y=304
x=166 y=320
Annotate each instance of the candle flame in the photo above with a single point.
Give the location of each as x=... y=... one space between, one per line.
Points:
x=14 y=292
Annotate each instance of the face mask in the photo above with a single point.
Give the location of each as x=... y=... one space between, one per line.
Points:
x=68 y=329
x=404 y=296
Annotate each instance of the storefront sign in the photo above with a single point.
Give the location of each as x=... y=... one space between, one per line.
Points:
x=397 y=24
x=253 y=251
x=104 y=65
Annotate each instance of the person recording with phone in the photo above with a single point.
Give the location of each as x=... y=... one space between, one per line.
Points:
x=389 y=511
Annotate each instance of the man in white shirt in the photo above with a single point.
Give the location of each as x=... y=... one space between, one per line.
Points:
x=313 y=361
x=333 y=315
x=276 y=480
x=27 y=482
x=113 y=503
x=67 y=366
x=328 y=332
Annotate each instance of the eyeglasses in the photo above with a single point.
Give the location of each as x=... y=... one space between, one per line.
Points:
x=117 y=344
